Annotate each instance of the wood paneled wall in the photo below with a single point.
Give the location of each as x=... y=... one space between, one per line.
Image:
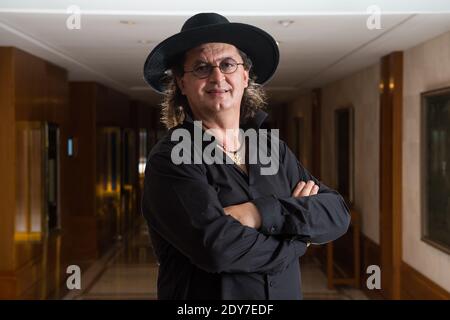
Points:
x=7 y=166
x=31 y=90
x=112 y=108
x=80 y=193
x=316 y=132
x=144 y=116
x=391 y=124
x=92 y=106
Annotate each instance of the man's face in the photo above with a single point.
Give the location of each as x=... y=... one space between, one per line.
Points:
x=218 y=92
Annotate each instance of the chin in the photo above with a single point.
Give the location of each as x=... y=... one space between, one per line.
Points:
x=218 y=106
x=224 y=107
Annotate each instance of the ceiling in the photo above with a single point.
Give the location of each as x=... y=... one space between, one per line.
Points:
x=326 y=41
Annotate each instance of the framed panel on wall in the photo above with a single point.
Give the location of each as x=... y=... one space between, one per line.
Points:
x=435 y=168
x=344 y=146
x=299 y=128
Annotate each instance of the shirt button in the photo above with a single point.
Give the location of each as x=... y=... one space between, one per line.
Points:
x=272 y=283
x=273 y=229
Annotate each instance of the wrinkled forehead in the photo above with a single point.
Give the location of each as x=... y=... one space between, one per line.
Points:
x=211 y=52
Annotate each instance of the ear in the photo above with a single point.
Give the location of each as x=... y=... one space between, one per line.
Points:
x=180 y=84
x=246 y=77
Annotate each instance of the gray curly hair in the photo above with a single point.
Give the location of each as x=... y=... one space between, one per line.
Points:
x=175 y=104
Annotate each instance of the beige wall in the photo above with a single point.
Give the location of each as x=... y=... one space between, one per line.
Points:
x=359 y=90
x=426 y=67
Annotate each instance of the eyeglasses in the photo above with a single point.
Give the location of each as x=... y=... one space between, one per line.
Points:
x=204 y=70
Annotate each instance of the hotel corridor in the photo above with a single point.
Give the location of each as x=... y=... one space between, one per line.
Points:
x=358 y=91
x=129 y=271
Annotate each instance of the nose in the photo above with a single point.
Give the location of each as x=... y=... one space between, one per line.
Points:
x=216 y=75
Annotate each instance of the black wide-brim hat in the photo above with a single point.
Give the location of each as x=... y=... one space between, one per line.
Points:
x=202 y=28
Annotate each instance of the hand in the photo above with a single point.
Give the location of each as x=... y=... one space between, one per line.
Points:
x=304 y=189
x=246 y=213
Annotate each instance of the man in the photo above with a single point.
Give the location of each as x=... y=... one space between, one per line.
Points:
x=227 y=230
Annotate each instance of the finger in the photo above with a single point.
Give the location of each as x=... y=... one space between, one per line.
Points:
x=314 y=190
x=307 y=189
x=298 y=188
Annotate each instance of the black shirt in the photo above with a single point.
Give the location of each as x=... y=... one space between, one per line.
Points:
x=205 y=254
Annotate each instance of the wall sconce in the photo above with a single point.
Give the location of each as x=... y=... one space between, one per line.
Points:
x=391 y=85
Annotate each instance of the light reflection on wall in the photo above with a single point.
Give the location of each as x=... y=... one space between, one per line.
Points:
x=29 y=187
x=142 y=152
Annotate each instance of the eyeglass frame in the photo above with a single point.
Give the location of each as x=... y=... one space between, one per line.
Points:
x=214 y=66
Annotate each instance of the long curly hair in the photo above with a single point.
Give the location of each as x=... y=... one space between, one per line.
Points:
x=175 y=104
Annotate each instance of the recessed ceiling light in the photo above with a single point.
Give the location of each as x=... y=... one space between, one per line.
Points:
x=127 y=22
x=286 y=23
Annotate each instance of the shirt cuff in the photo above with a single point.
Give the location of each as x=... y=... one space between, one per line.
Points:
x=271 y=218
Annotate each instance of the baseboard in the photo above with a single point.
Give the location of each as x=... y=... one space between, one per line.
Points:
x=416 y=286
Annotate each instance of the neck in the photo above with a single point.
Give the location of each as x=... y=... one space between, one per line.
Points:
x=224 y=127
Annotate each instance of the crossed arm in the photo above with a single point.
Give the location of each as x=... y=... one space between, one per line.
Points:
x=183 y=208
x=247 y=213
x=313 y=212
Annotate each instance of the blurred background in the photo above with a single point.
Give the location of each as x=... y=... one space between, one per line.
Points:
x=361 y=95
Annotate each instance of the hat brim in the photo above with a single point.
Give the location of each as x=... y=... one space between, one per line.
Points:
x=256 y=43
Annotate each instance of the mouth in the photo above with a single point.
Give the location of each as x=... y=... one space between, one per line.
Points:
x=217 y=91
